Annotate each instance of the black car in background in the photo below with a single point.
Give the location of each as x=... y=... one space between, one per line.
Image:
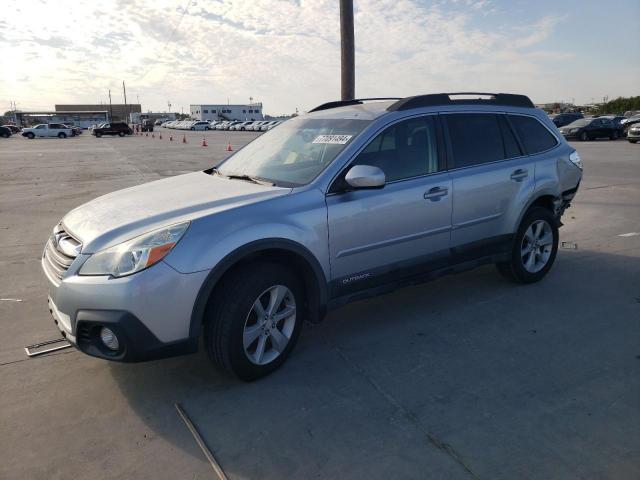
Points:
x=562 y=119
x=5 y=132
x=120 y=129
x=591 y=128
x=14 y=128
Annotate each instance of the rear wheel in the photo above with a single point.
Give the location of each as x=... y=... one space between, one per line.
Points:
x=534 y=247
x=584 y=137
x=98 y=134
x=62 y=135
x=254 y=319
x=121 y=134
x=6 y=135
x=633 y=141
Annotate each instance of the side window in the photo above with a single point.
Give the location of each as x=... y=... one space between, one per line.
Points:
x=534 y=136
x=404 y=150
x=475 y=138
x=511 y=147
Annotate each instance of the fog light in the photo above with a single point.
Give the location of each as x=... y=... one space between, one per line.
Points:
x=109 y=339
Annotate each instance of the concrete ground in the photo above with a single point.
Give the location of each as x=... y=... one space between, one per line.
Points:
x=466 y=377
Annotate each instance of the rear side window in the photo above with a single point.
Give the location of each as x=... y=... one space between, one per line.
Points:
x=475 y=138
x=534 y=136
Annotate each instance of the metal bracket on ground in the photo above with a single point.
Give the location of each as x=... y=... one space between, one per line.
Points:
x=37 y=348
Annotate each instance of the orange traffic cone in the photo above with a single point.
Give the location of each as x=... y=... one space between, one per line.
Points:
x=229 y=149
x=204 y=142
x=184 y=138
x=171 y=138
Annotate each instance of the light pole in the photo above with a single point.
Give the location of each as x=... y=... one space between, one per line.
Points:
x=347 y=51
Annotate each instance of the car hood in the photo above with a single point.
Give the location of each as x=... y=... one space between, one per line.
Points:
x=125 y=214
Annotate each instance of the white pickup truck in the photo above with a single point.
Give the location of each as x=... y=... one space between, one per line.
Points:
x=48 y=130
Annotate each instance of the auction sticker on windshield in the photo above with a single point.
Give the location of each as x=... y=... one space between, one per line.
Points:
x=332 y=139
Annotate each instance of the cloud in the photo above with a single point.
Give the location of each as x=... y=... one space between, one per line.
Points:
x=284 y=53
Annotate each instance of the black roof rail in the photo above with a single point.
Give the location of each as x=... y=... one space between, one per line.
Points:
x=344 y=103
x=438 y=99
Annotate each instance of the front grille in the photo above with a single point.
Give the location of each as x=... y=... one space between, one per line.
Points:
x=60 y=252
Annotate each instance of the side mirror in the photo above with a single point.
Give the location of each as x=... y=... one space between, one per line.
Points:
x=365 y=176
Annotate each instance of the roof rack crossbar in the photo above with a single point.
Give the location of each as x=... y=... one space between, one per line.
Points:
x=439 y=99
x=344 y=103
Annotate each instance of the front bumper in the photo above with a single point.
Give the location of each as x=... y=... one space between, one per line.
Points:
x=150 y=311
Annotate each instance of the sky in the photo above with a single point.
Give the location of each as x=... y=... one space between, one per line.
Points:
x=286 y=53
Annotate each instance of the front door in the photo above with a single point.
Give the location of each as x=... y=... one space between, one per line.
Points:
x=378 y=236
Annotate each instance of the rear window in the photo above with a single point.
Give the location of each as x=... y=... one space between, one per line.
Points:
x=534 y=136
x=475 y=138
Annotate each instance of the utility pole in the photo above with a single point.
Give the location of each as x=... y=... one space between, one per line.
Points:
x=126 y=109
x=110 y=108
x=347 y=52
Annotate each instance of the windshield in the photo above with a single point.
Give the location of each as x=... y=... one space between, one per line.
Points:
x=294 y=153
x=581 y=123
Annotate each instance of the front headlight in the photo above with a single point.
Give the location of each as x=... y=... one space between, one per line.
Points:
x=135 y=254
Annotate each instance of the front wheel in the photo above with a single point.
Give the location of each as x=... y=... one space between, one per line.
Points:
x=121 y=134
x=535 y=246
x=30 y=136
x=254 y=319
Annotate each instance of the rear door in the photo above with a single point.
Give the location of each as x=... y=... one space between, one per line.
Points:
x=379 y=236
x=492 y=180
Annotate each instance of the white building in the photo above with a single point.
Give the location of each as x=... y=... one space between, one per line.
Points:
x=251 y=111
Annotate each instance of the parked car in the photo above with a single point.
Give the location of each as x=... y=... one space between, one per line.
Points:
x=562 y=119
x=345 y=202
x=120 y=129
x=274 y=125
x=75 y=130
x=628 y=122
x=13 y=128
x=633 y=134
x=200 y=125
x=48 y=130
x=241 y=126
x=5 y=132
x=590 y=129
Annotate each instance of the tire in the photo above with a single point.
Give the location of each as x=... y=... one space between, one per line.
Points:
x=584 y=137
x=207 y=128
x=193 y=129
x=633 y=141
x=62 y=135
x=231 y=316
x=532 y=267
x=121 y=134
x=6 y=135
x=98 y=134
x=30 y=136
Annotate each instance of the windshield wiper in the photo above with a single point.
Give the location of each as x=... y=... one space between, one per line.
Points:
x=249 y=178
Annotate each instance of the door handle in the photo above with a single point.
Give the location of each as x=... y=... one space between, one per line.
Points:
x=519 y=175
x=436 y=193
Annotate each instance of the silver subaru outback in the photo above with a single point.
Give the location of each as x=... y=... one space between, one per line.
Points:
x=354 y=199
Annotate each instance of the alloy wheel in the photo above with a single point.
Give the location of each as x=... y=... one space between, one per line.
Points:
x=269 y=325
x=537 y=245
